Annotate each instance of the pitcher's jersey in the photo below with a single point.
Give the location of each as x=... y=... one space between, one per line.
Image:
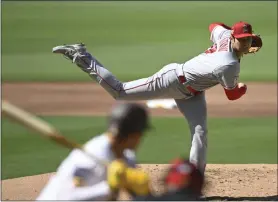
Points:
x=80 y=177
x=218 y=64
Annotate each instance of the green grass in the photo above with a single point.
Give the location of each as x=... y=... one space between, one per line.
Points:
x=242 y=140
x=132 y=39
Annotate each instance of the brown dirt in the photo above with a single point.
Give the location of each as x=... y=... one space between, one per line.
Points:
x=259 y=181
x=89 y=99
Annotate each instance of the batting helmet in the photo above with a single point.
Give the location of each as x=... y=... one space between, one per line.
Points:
x=128 y=118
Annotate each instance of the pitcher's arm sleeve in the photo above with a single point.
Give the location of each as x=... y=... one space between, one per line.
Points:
x=228 y=77
x=235 y=93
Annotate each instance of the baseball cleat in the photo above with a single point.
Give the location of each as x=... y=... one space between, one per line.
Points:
x=78 y=54
x=69 y=51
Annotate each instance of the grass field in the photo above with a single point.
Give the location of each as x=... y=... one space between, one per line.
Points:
x=132 y=39
x=244 y=141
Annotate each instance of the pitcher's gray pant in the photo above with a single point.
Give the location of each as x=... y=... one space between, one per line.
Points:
x=163 y=84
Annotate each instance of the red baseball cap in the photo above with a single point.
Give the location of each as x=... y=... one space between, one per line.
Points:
x=242 y=29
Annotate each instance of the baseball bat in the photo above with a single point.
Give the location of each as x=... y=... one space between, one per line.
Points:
x=42 y=127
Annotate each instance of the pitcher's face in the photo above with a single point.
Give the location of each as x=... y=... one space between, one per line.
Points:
x=243 y=44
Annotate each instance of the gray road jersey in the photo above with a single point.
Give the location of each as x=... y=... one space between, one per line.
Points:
x=220 y=65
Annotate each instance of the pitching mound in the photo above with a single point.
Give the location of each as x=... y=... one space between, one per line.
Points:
x=242 y=182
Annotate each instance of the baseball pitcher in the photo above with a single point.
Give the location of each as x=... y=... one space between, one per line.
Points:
x=186 y=83
x=80 y=177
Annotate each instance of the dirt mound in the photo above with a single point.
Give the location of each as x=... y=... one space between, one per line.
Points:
x=249 y=182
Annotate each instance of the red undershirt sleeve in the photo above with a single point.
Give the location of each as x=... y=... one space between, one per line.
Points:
x=228 y=78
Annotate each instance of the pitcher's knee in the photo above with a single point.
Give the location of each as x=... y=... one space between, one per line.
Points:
x=113 y=90
x=116 y=95
x=119 y=95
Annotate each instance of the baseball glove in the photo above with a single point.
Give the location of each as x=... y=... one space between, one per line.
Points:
x=256 y=45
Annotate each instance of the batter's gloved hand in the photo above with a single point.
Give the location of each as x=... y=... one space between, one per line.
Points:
x=256 y=45
x=137 y=182
x=116 y=172
x=133 y=180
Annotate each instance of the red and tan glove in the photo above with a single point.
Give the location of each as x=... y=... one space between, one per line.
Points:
x=256 y=45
